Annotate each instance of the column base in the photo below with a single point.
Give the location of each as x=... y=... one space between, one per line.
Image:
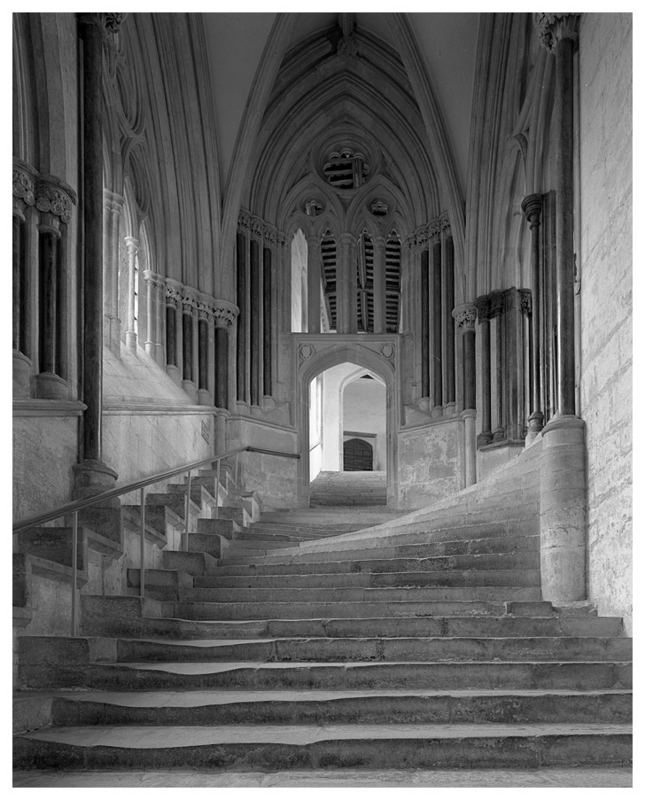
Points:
x=204 y=397
x=536 y=423
x=563 y=512
x=51 y=387
x=189 y=388
x=174 y=373
x=22 y=369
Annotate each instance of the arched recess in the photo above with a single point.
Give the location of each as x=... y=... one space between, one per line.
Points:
x=365 y=358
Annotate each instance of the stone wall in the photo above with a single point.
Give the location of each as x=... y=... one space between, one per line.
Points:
x=606 y=300
x=430 y=461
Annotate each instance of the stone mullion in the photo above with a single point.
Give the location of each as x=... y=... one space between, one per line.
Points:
x=483 y=316
x=132 y=249
x=20 y=286
x=497 y=302
x=448 y=259
x=151 y=321
x=224 y=314
x=187 y=344
x=314 y=258
x=514 y=372
x=425 y=322
x=241 y=253
x=267 y=299
x=436 y=325
x=62 y=301
x=465 y=316
x=532 y=207
x=48 y=258
x=344 y=296
x=378 y=293
x=255 y=322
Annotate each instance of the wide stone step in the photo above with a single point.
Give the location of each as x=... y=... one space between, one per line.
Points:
x=337 y=628
x=365 y=595
x=336 y=610
x=146 y=676
x=194 y=563
x=523 y=547
x=374 y=580
x=274 y=747
x=381 y=649
x=323 y=707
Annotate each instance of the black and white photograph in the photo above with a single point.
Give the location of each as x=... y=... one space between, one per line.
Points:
x=322 y=398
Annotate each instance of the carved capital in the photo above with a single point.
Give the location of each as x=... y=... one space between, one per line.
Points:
x=153 y=278
x=24 y=183
x=465 y=315
x=526 y=302
x=131 y=246
x=497 y=303
x=224 y=313
x=53 y=198
x=244 y=220
x=553 y=28
x=532 y=208
x=174 y=293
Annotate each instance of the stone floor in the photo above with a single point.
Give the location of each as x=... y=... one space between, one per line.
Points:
x=541 y=778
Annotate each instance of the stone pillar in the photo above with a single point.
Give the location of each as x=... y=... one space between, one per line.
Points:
x=151 y=313
x=241 y=341
x=132 y=250
x=54 y=202
x=483 y=315
x=224 y=314
x=267 y=338
x=112 y=207
x=24 y=274
x=203 y=354
x=448 y=254
x=497 y=313
x=379 y=284
x=465 y=316
x=91 y=474
x=172 y=305
x=255 y=320
x=346 y=287
x=313 y=283
x=425 y=323
x=532 y=208
x=437 y=360
x=563 y=519
x=559 y=33
x=187 y=349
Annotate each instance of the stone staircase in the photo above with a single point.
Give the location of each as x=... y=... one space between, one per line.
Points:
x=303 y=641
x=354 y=488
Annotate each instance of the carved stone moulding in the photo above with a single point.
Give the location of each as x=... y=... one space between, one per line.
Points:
x=465 y=315
x=553 y=28
x=224 y=313
x=52 y=197
x=532 y=208
x=24 y=183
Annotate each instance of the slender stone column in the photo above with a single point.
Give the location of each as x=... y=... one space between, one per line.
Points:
x=256 y=329
x=91 y=474
x=437 y=361
x=112 y=207
x=379 y=284
x=465 y=316
x=241 y=251
x=559 y=33
x=187 y=345
x=224 y=315
x=532 y=208
x=346 y=287
x=313 y=283
x=132 y=250
x=448 y=252
x=483 y=315
x=151 y=321
x=48 y=292
x=267 y=322
x=425 y=323
x=497 y=313
x=24 y=283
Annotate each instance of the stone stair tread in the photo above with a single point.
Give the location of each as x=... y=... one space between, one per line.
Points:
x=182 y=736
x=200 y=697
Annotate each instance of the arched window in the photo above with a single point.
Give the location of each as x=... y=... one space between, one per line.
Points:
x=365 y=284
x=299 y=257
x=329 y=298
x=392 y=284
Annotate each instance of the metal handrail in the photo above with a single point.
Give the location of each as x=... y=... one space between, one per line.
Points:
x=78 y=505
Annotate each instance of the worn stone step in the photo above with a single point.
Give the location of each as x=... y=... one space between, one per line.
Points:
x=185 y=676
x=523 y=547
x=380 y=649
x=334 y=610
x=201 y=494
x=166 y=584
x=195 y=563
x=53 y=544
x=399 y=626
x=374 y=580
x=174 y=501
x=365 y=595
x=322 y=707
x=221 y=526
x=159 y=519
x=212 y=544
x=274 y=747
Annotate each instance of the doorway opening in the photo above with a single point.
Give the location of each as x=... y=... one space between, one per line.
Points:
x=347 y=421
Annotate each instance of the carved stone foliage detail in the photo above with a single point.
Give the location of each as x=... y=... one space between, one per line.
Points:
x=305 y=351
x=526 y=305
x=431 y=230
x=552 y=28
x=53 y=199
x=465 y=316
x=24 y=185
x=249 y=223
x=224 y=313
